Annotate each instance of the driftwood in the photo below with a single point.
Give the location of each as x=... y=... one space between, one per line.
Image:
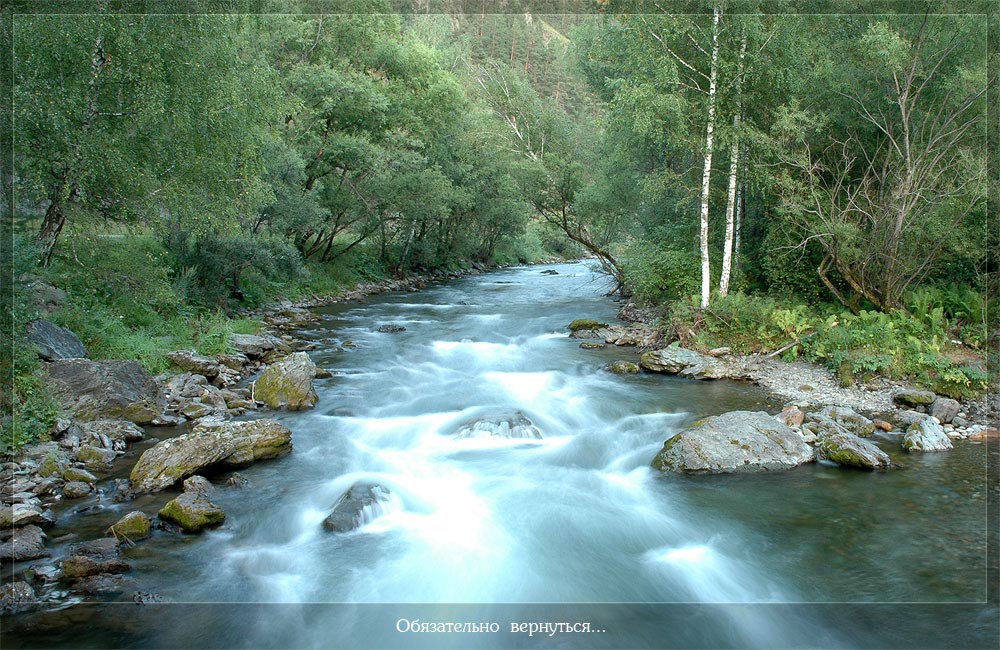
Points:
x=790 y=345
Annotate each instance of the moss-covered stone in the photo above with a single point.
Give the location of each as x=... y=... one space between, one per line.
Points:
x=192 y=513
x=133 y=526
x=78 y=474
x=94 y=458
x=586 y=324
x=288 y=383
x=624 y=368
x=50 y=466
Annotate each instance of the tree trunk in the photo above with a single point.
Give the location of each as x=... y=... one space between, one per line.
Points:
x=52 y=225
x=706 y=177
x=734 y=159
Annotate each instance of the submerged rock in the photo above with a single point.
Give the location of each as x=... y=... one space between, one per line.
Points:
x=501 y=425
x=845 y=448
x=288 y=384
x=738 y=441
x=926 y=435
x=105 y=389
x=361 y=504
x=391 y=328
x=624 y=368
x=209 y=444
x=53 y=342
x=192 y=512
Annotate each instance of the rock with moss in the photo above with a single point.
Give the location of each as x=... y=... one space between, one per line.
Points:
x=132 y=527
x=849 y=419
x=845 y=448
x=926 y=435
x=209 y=444
x=95 y=459
x=50 y=465
x=54 y=342
x=92 y=390
x=192 y=512
x=81 y=566
x=78 y=474
x=734 y=442
x=913 y=397
x=624 y=368
x=288 y=383
x=592 y=345
x=586 y=324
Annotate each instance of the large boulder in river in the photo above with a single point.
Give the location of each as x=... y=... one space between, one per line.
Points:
x=926 y=435
x=499 y=425
x=738 y=441
x=208 y=445
x=192 y=512
x=845 y=448
x=361 y=504
x=53 y=342
x=288 y=383
x=676 y=360
x=105 y=389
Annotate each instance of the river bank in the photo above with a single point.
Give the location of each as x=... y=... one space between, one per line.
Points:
x=414 y=410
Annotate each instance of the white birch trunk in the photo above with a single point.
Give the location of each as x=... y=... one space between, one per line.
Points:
x=734 y=159
x=706 y=177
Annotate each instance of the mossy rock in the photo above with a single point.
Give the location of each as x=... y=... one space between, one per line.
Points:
x=133 y=526
x=288 y=384
x=192 y=513
x=78 y=474
x=586 y=324
x=50 y=466
x=624 y=368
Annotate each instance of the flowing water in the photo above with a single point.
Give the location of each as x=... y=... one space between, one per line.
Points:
x=575 y=517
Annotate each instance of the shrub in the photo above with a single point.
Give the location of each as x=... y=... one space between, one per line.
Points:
x=661 y=274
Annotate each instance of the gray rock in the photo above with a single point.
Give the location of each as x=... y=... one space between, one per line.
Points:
x=27 y=543
x=101 y=550
x=76 y=490
x=391 y=328
x=16 y=596
x=117 y=431
x=23 y=514
x=361 y=504
x=499 y=425
x=905 y=418
x=209 y=444
x=104 y=584
x=850 y=450
x=913 y=397
x=77 y=474
x=926 y=435
x=791 y=416
x=251 y=345
x=81 y=566
x=738 y=441
x=198 y=485
x=54 y=342
x=945 y=409
x=43 y=294
x=959 y=421
x=849 y=419
x=93 y=390
x=592 y=345
x=191 y=361
x=288 y=384
x=681 y=361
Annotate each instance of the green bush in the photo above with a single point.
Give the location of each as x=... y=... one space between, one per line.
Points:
x=660 y=274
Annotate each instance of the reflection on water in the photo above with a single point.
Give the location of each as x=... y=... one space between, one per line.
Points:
x=576 y=516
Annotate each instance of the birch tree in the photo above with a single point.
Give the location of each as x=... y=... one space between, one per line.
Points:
x=734 y=160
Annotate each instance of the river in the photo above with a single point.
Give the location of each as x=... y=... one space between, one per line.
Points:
x=549 y=530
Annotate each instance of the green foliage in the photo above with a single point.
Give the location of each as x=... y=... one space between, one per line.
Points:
x=856 y=347
x=661 y=273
